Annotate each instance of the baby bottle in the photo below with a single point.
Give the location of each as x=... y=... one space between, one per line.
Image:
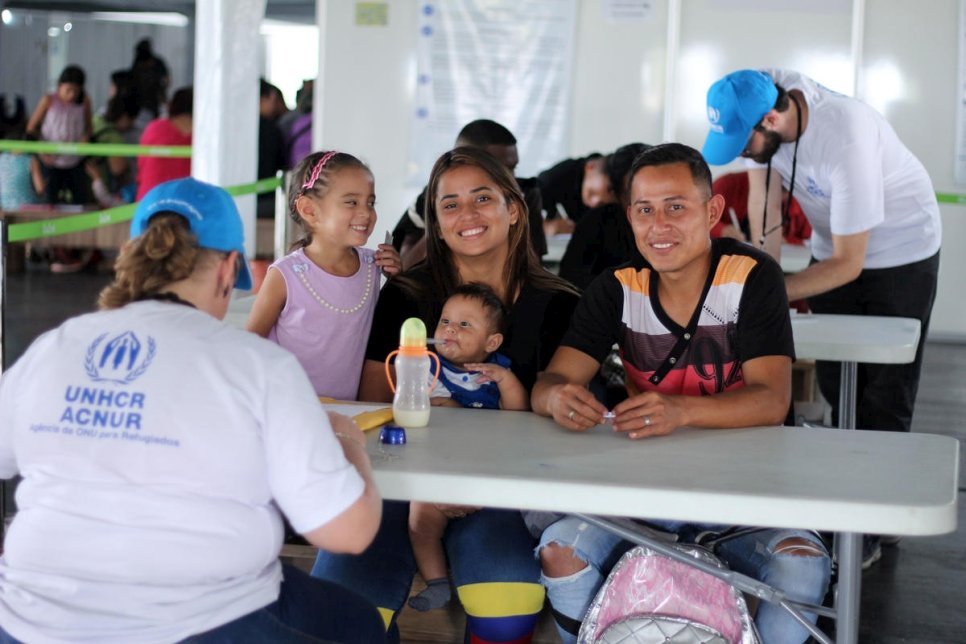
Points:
x=410 y=404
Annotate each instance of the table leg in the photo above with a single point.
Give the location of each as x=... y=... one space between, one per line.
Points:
x=848 y=593
x=848 y=395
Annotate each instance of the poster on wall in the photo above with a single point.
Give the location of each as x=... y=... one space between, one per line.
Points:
x=960 y=162
x=509 y=62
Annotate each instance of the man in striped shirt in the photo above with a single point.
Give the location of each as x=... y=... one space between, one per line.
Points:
x=706 y=341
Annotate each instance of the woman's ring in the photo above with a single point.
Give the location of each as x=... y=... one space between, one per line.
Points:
x=647 y=420
x=572 y=414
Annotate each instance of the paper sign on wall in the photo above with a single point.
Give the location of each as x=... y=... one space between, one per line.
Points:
x=509 y=62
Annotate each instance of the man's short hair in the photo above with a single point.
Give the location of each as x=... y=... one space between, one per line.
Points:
x=781 y=102
x=671 y=153
x=484 y=132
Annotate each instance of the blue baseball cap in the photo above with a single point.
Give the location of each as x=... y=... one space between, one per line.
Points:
x=736 y=104
x=211 y=213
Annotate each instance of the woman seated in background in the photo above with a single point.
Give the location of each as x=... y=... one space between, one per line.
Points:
x=158 y=448
x=476 y=231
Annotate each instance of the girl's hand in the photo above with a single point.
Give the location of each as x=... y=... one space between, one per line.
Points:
x=387 y=259
x=490 y=372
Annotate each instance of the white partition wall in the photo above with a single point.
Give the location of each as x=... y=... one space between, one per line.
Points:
x=619 y=79
x=910 y=74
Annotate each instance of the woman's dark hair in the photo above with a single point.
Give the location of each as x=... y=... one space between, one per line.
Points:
x=75 y=76
x=182 y=102
x=781 y=101
x=496 y=311
x=296 y=188
x=121 y=105
x=671 y=153
x=522 y=266
x=617 y=165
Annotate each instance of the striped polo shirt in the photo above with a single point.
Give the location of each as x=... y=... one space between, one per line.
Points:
x=742 y=315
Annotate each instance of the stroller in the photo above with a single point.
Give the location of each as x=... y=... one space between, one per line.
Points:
x=651 y=598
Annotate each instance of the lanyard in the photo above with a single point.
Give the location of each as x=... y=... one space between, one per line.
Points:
x=683 y=340
x=791 y=186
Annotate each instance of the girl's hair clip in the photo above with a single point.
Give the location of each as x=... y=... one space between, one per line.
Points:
x=314 y=175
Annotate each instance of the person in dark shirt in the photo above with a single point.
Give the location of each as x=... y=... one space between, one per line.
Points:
x=572 y=188
x=706 y=342
x=603 y=238
x=271 y=145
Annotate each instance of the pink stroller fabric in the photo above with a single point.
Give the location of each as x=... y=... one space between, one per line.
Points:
x=646 y=588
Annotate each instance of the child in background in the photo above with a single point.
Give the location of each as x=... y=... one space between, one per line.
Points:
x=21 y=181
x=471 y=375
x=318 y=301
x=64 y=117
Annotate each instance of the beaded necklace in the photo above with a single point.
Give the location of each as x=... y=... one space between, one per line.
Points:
x=301 y=269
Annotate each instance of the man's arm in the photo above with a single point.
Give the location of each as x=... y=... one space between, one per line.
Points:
x=756 y=210
x=561 y=390
x=845 y=264
x=764 y=400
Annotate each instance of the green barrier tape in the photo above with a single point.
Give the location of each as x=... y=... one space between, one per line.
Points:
x=89 y=220
x=96 y=149
x=945 y=197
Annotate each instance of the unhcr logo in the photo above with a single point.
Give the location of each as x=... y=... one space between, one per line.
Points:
x=713 y=114
x=121 y=359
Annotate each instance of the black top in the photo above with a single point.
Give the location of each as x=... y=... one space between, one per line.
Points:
x=535 y=325
x=602 y=239
x=561 y=184
x=271 y=159
x=407 y=227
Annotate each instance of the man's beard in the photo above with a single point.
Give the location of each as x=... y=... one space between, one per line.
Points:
x=773 y=141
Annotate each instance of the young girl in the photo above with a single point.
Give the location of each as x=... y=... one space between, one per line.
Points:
x=64 y=117
x=319 y=300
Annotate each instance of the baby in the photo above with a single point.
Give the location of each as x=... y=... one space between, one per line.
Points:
x=471 y=375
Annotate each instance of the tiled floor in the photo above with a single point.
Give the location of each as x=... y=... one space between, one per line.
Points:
x=917 y=593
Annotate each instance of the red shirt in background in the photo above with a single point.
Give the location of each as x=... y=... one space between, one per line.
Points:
x=734 y=188
x=155 y=170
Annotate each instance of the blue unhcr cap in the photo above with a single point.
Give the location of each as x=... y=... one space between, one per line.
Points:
x=211 y=213
x=736 y=104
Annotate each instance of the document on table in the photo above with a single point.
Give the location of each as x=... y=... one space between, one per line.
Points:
x=367 y=415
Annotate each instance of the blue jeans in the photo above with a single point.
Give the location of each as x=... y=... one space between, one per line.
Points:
x=804 y=578
x=489 y=553
x=307 y=610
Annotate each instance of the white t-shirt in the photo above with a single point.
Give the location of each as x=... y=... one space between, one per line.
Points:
x=854 y=174
x=154 y=443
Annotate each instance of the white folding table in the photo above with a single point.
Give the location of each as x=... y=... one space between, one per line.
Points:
x=851 y=339
x=822 y=479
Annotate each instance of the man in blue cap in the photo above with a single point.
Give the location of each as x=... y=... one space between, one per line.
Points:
x=876 y=229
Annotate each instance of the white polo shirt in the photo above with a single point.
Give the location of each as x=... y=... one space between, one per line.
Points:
x=156 y=445
x=854 y=175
